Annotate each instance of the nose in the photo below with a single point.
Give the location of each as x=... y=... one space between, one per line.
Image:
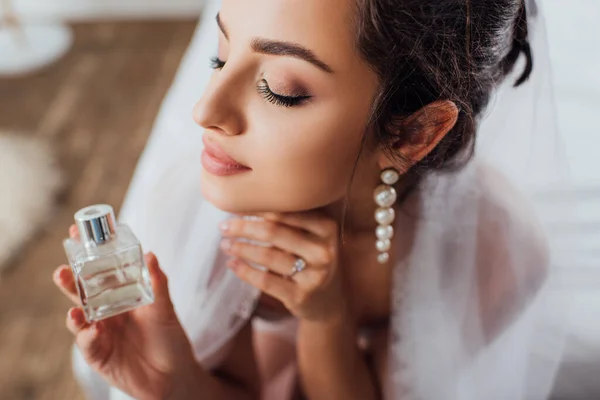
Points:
x=219 y=108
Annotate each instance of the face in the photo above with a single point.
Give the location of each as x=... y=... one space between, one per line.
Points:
x=288 y=101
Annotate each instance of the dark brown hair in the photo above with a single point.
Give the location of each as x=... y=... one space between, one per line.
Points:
x=428 y=50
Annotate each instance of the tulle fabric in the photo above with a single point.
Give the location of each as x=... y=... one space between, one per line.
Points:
x=474 y=307
x=494 y=222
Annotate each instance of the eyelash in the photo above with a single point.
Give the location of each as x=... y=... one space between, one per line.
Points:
x=216 y=63
x=277 y=99
x=266 y=92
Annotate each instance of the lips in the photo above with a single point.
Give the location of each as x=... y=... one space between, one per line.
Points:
x=216 y=161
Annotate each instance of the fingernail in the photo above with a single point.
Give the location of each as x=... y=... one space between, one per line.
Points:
x=226 y=244
x=75 y=316
x=252 y=218
x=224 y=226
x=233 y=264
x=61 y=275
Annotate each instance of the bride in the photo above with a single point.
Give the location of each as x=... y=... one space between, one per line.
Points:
x=349 y=240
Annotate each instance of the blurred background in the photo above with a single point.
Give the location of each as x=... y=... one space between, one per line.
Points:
x=81 y=84
x=86 y=109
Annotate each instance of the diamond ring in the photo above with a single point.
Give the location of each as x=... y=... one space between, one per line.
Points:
x=299 y=266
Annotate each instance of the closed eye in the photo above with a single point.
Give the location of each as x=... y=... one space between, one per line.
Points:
x=278 y=99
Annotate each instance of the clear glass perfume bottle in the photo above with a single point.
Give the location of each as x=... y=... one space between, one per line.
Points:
x=108 y=265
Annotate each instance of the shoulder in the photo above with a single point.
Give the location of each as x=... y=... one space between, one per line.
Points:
x=513 y=254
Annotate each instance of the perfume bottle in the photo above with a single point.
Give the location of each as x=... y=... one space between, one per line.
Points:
x=108 y=265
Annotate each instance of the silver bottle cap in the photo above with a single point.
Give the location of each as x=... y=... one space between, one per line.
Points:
x=97 y=224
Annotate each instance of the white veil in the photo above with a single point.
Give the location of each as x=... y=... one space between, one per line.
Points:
x=518 y=187
x=440 y=344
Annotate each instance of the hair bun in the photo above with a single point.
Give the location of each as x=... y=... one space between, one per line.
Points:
x=520 y=44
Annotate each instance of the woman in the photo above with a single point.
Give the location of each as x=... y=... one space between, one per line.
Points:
x=319 y=116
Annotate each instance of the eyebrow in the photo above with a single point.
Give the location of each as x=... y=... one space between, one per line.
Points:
x=278 y=48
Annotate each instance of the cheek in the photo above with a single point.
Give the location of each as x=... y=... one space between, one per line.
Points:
x=309 y=162
x=301 y=160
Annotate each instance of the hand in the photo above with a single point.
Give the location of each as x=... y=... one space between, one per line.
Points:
x=313 y=294
x=144 y=352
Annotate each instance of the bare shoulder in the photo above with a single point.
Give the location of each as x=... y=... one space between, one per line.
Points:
x=513 y=253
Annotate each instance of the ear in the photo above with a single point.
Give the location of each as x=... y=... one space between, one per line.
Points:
x=420 y=133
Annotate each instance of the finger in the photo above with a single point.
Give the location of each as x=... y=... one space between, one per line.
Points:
x=284 y=237
x=63 y=278
x=160 y=287
x=276 y=260
x=314 y=222
x=76 y=320
x=278 y=287
x=88 y=337
x=73 y=232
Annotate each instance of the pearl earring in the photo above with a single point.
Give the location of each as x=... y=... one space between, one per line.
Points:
x=385 y=196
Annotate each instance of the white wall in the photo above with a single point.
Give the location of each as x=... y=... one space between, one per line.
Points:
x=574 y=38
x=98 y=9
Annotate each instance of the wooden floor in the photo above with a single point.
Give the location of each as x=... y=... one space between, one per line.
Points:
x=97 y=106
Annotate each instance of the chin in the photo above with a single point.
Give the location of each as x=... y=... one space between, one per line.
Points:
x=223 y=203
x=223 y=195
x=237 y=196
